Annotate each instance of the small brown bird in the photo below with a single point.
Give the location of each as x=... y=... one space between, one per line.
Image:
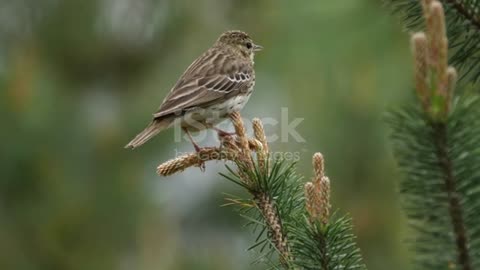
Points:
x=218 y=83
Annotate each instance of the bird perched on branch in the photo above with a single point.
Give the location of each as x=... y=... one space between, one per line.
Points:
x=216 y=84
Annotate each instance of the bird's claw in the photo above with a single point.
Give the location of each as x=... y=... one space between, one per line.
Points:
x=201 y=165
x=201 y=162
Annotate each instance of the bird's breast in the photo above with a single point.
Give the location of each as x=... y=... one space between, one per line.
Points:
x=214 y=114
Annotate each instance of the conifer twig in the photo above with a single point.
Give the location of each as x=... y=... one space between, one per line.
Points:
x=269 y=212
x=239 y=149
x=437 y=76
x=183 y=162
x=229 y=152
x=434 y=79
x=277 y=202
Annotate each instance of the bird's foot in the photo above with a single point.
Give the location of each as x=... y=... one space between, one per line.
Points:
x=201 y=163
x=198 y=149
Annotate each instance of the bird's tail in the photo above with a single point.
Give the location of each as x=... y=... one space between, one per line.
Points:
x=151 y=130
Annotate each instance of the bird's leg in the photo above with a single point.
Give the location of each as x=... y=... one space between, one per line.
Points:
x=223 y=136
x=195 y=145
x=223 y=133
x=197 y=148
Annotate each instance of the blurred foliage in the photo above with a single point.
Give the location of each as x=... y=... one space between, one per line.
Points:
x=463 y=28
x=437 y=147
x=79 y=78
x=416 y=141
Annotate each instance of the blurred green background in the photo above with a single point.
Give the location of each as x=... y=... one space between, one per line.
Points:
x=80 y=78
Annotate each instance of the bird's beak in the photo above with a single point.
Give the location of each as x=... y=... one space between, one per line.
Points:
x=257 y=47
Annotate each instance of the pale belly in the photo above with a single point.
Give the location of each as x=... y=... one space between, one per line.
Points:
x=199 y=119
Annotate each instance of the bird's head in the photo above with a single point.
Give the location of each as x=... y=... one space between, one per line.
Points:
x=240 y=42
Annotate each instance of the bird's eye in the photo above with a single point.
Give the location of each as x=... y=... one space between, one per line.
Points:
x=249 y=45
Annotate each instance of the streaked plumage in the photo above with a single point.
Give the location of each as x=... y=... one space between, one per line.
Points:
x=216 y=84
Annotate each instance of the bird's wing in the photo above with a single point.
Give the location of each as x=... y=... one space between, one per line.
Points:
x=207 y=80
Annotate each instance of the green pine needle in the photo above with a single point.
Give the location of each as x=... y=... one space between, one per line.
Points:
x=313 y=246
x=426 y=197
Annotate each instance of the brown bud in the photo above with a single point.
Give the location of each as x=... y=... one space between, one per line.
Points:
x=262 y=151
x=259 y=133
x=318 y=165
x=242 y=136
x=452 y=78
x=311 y=201
x=193 y=160
x=419 y=50
x=439 y=45
x=426 y=7
x=317 y=192
x=324 y=189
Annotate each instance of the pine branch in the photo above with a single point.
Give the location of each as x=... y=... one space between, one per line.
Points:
x=267 y=207
x=455 y=208
x=437 y=146
x=329 y=238
x=441 y=192
x=256 y=179
x=292 y=224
